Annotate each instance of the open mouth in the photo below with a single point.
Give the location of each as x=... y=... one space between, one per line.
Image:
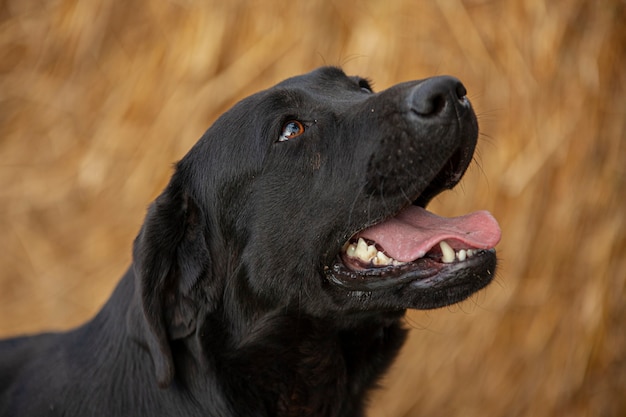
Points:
x=415 y=245
x=415 y=233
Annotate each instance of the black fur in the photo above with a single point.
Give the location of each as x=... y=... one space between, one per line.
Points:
x=228 y=308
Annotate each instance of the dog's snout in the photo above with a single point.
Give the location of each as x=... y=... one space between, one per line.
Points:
x=435 y=95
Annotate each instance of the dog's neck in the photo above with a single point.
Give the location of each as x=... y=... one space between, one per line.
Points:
x=318 y=368
x=293 y=361
x=317 y=365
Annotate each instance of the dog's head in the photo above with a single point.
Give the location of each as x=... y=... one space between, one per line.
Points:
x=310 y=196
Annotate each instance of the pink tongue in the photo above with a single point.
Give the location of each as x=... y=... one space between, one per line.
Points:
x=414 y=231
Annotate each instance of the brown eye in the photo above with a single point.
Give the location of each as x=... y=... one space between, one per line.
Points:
x=291 y=129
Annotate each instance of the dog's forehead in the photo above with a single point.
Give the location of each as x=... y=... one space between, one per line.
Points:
x=326 y=81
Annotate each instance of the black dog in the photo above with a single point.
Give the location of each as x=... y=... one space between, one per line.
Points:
x=271 y=276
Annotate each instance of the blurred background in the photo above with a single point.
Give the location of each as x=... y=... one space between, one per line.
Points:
x=99 y=98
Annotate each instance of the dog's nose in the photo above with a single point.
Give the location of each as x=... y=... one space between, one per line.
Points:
x=436 y=95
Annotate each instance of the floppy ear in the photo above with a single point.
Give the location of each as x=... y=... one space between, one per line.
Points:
x=170 y=255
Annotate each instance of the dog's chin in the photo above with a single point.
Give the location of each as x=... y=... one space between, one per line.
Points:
x=424 y=283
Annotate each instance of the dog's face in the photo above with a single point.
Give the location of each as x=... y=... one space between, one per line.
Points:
x=291 y=177
x=309 y=197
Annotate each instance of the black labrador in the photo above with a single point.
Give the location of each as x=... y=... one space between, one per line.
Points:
x=271 y=276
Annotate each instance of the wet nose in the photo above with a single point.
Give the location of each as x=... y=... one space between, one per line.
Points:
x=436 y=96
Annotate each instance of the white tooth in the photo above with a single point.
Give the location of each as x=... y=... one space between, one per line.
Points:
x=382 y=259
x=470 y=253
x=447 y=252
x=361 y=250
x=371 y=252
x=461 y=255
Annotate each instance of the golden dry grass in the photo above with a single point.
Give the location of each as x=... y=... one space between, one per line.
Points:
x=98 y=99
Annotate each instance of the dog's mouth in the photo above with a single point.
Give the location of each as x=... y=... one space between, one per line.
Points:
x=415 y=234
x=418 y=247
x=415 y=244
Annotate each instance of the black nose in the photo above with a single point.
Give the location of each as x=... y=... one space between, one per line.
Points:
x=437 y=95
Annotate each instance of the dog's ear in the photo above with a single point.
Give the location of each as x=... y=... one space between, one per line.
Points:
x=170 y=255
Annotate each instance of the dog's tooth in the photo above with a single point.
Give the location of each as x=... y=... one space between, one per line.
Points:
x=470 y=253
x=361 y=250
x=447 y=252
x=461 y=255
x=382 y=259
x=371 y=252
x=351 y=250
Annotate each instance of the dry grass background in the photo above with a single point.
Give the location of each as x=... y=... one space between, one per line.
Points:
x=98 y=98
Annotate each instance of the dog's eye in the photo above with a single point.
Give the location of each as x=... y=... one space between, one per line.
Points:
x=365 y=86
x=291 y=129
